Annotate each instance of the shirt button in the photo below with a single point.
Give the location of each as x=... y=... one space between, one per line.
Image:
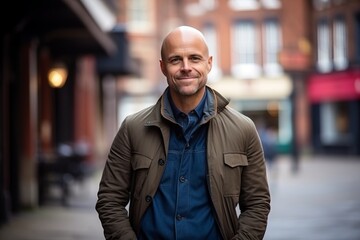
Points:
x=179 y=135
x=148 y=198
x=179 y=217
x=187 y=145
x=161 y=162
x=182 y=179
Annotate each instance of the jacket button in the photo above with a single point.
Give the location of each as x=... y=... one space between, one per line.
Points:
x=161 y=162
x=148 y=198
x=179 y=217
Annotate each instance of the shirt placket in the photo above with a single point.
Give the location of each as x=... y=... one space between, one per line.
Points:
x=183 y=193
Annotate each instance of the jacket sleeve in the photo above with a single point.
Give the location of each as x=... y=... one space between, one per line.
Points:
x=254 y=197
x=114 y=189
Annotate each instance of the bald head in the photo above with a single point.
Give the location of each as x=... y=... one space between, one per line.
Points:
x=183 y=34
x=185 y=62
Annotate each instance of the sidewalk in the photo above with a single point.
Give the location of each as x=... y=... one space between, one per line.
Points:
x=320 y=202
x=78 y=221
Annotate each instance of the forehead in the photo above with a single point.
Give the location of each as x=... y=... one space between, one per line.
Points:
x=185 y=43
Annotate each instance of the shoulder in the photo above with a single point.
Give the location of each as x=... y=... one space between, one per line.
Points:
x=234 y=125
x=227 y=113
x=135 y=124
x=144 y=114
x=230 y=114
x=140 y=116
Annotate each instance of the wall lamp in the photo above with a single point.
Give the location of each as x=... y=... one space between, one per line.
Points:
x=57 y=75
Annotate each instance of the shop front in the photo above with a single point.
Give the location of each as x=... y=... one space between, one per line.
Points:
x=265 y=100
x=335 y=112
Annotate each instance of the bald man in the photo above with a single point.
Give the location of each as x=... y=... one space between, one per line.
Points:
x=185 y=163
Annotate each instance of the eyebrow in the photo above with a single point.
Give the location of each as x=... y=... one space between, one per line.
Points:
x=191 y=55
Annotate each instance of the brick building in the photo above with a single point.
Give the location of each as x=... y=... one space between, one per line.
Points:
x=334 y=82
x=266 y=60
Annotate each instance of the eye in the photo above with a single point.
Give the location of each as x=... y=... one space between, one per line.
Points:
x=174 y=60
x=195 y=59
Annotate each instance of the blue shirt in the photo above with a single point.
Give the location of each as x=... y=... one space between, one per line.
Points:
x=182 y=208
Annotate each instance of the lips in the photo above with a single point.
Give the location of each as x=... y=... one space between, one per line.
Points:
x=187 y=77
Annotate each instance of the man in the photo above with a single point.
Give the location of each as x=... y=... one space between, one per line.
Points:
x=186 y=162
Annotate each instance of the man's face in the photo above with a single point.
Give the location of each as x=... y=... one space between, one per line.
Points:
x=186 y=64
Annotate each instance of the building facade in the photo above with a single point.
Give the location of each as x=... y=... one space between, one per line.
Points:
x=334 y=83
x=280 y=62
x=42 y=125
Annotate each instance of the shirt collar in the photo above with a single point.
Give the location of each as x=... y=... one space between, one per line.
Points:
x=199 y=109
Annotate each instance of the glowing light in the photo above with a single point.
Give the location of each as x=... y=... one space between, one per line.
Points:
x=57 y=76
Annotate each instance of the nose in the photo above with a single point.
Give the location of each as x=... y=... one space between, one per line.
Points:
x=185 y=65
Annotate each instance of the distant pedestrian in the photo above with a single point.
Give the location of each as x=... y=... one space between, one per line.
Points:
x=269 y=142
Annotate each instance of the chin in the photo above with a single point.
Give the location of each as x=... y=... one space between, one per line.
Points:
x=188 y=92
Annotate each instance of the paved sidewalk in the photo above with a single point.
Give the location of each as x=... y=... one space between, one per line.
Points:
x=78 y=221
x=320 y=202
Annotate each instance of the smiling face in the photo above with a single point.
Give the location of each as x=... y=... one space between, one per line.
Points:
x=185 y=63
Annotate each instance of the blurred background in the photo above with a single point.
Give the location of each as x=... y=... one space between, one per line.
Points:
x=72 y=70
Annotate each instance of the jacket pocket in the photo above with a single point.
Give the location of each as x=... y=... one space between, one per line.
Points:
x=234 y=165
x=235 y=159
x=140 y=162
x=140 y=165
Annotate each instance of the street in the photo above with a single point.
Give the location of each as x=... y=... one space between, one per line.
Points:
x=319 y=202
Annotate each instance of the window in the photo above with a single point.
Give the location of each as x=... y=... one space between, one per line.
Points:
x=210 y=36
x=272 y=44
x=321 y=4
x=271 y=4
x=200 y=7
x=335 y=126
x=323 y=44
x=244 y=45
x=243 y=4
x=139 y=16
x=340 y=46
x=208 y=4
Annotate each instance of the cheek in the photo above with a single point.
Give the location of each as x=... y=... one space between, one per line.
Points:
x=205 y=67
x=172 y=71
x=164 y=70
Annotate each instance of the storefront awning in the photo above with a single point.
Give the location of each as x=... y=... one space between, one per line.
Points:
x=121 y=62
x=254 y=89
x=334 y=86
x=64 y=27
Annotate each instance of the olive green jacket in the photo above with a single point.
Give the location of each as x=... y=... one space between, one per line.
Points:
x=236 y=171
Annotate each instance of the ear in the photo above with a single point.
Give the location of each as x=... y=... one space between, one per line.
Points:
x=209 y=63
x=162 y=67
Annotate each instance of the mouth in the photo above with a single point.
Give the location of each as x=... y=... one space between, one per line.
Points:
x=187 y=78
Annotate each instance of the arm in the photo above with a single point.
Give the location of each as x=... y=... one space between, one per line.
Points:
x=254 y=197
x=114 y=189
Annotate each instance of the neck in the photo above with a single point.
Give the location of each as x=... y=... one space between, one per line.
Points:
x=187 y=103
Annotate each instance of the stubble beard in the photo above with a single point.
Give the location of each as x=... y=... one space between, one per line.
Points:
x=189 y=90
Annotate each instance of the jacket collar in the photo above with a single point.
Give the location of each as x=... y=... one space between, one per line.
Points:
x=215 y=103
